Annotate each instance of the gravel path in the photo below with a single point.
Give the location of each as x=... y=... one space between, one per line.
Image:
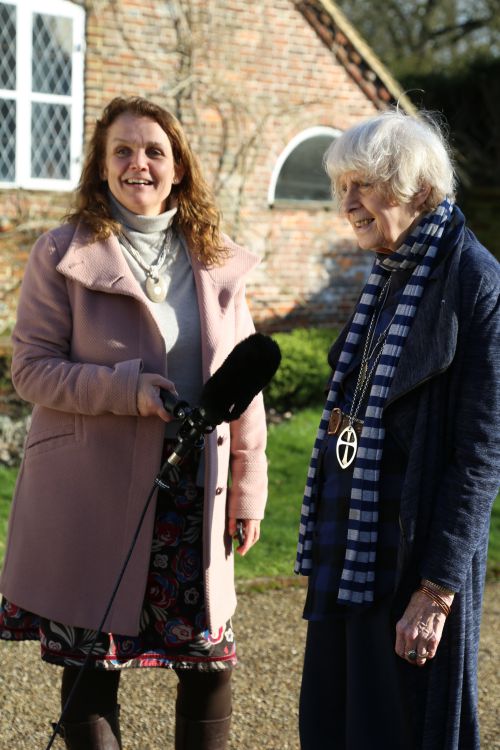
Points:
x=266 y=683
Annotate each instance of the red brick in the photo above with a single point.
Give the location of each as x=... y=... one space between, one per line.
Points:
x=261 y=74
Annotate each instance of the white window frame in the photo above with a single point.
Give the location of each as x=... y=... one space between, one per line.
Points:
x=304 y=135
x=24 y=96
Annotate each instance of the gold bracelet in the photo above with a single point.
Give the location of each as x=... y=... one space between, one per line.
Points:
x=437 y=587
x=443 y=606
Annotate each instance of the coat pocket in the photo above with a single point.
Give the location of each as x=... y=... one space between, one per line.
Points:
x=50 y=430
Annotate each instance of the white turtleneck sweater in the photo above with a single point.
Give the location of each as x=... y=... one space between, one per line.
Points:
x=178 y=316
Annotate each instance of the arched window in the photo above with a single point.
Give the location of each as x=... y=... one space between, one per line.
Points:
x=299 y=175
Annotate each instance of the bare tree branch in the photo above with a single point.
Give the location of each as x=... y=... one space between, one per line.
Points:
x=458 y=30
x=422 y=34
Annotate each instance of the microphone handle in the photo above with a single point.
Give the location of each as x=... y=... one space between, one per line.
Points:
x=190 y=435
x=173 y=404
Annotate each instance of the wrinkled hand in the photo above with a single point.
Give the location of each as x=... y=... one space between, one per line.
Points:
x=420 y=628
x=149 y=403
x=251 y=533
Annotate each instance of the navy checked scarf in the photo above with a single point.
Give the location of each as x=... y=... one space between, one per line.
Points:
x=418 y=252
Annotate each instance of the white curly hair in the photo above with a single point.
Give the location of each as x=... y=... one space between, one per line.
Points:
x=398 y=152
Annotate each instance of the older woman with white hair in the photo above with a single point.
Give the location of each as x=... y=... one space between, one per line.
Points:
x=404 y=470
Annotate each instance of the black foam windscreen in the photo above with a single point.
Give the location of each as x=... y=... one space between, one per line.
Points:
x=244 y=373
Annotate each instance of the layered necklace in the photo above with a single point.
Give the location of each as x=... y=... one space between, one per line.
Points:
x=347 y=441
x=156 y=285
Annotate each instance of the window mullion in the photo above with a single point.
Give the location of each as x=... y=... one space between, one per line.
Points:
x=77 y=93
x=24 y=57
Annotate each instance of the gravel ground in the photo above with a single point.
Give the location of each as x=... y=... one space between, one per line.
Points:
x=270 y=635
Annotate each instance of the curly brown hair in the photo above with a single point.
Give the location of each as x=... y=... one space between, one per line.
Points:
x=197 y=216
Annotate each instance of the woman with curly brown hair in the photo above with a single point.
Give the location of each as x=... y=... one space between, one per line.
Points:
x=137 y=291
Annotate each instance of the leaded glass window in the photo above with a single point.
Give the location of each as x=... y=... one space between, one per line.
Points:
x=299 y=175
x=7 y=140
x=7 y=46
x=8 y=84
x=41 y=93
x=52 y=47
x=50 y=145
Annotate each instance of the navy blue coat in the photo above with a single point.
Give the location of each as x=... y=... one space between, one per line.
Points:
x=443 y=409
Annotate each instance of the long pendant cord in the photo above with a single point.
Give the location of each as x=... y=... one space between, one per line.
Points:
x=158 y=483
x=366 y=372
x=347 y=441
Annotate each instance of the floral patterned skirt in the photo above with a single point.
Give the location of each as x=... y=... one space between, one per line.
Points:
x=173 y=629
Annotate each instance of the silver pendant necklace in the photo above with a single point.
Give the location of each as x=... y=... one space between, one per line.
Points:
x=347 y=441
x=156 y=285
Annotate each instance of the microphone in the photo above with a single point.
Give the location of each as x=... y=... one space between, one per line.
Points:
x=226 y=394
x=242 y=375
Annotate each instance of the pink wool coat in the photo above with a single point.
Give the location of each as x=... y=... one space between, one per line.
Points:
x=83 y=336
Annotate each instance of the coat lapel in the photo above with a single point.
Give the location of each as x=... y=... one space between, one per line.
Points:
x=216 y=287
x=432 y=339
x=99 y=265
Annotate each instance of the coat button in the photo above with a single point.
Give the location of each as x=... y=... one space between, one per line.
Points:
x=220 y=440
x=218 y=490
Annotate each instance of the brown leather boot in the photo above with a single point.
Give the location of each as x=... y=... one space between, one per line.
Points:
x=102 y=733
x=201 y=735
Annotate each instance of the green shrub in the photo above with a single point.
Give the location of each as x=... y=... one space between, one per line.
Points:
x=5 y=372
x=304 y=370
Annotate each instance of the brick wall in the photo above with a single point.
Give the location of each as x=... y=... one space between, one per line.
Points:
x=245 y=78
x=282 y=80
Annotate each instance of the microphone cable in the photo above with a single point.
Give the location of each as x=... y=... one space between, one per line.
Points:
x=158 y=483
